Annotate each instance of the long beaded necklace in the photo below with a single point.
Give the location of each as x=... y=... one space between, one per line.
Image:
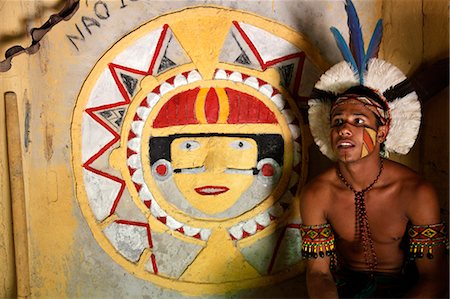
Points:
x=362 y=222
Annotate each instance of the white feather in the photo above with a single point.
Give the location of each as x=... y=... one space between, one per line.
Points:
x=406 y=116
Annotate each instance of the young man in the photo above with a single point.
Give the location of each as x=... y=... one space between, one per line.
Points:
x=367 y=216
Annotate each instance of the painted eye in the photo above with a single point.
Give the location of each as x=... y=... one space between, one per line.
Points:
x=189 y=145
x=240 y=144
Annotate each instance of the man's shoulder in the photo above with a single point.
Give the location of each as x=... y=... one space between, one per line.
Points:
x=414 y=187
x=315 y=197
x=399 y=173
x=321 y=185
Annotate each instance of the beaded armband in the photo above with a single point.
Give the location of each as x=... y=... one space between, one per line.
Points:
x=317 y=240
x=425 y=237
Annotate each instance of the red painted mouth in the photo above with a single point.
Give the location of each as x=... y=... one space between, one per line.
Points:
x=211 y=190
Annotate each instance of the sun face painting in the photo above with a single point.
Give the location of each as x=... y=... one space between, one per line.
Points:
x=224 y=162
x=188 y=150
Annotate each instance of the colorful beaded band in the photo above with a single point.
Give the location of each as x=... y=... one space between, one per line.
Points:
x=317 y=240
x=426 y=236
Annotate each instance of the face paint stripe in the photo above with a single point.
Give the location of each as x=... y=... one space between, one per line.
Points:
x=368 y=142
x=368 y=145
x=364 y=151
x=368 y=139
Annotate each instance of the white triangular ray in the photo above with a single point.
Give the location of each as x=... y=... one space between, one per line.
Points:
x=129 y=240
x=234 y=47
x=269 y=46
x=93 y=137
x=101 y=192
x=139 y=55
x=173 y=51
x=105 y=91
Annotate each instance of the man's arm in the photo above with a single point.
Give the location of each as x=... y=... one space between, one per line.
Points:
x=433 y=273
x=319 y=281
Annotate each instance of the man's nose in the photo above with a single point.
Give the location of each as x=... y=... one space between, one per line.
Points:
x=345 y=130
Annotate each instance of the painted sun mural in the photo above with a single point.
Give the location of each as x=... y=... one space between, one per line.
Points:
x=188 y=150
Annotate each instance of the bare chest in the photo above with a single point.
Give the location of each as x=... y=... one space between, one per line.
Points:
x=385 y=212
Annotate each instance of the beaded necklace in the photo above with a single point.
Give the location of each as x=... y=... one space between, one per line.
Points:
x=362 y=222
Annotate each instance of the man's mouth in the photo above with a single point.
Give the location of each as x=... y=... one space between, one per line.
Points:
x=344 y=144
x=211 y=190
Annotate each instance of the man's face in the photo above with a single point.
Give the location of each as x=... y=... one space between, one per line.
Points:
x=353 y=131
x=213 y=172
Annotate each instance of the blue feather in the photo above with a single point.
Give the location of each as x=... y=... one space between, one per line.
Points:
x=375 y=41
x=343 y=47
x=356 y=38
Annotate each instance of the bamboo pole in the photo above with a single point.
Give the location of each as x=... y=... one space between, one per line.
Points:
x=8 y=274
x=17 y=196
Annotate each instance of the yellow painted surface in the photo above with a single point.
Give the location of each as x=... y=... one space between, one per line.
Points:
x=215 y=155
x=221 y=257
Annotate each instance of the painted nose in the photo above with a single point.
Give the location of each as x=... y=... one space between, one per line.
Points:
x=215 y=161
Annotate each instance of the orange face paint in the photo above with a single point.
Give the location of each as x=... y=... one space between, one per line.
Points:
x=369 y=141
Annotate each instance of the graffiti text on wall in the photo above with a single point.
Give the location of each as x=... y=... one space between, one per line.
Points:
x=101 y=12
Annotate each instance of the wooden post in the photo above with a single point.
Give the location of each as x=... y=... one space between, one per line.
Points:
x=20 y=231
x=7 y=273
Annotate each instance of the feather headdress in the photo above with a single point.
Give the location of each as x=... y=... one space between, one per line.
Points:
x=362 y=68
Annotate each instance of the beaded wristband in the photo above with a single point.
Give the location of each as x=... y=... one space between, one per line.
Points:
x=317 y=240
x=423 y=237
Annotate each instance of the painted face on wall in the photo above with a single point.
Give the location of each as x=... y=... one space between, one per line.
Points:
x=222 y=164
x=212 y=172
x=353 y=131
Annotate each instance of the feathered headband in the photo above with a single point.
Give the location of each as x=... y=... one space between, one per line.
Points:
x=362 y=73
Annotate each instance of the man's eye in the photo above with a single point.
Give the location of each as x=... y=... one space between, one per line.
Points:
x=338 y=122
x=359 y=121
x=189 y=145
x=240 y=144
